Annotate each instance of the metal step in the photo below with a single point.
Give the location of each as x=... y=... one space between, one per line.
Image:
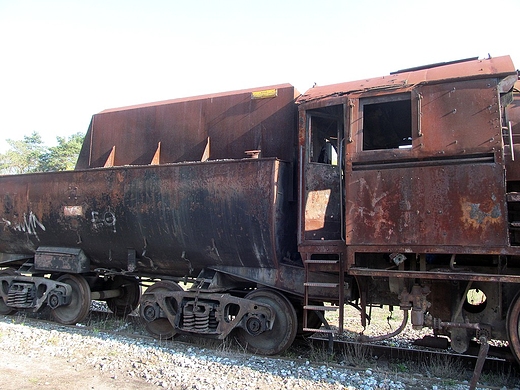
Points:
x=329 y=331
x=317 y=284
x=321 y=308
x=321 y=261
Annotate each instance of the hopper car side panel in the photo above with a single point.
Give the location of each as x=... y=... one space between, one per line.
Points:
x=222 y=125
x=178 y=218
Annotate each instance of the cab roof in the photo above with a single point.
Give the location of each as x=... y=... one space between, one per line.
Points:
x=457 y=70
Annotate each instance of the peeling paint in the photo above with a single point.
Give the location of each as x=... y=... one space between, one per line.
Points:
x=477 y=214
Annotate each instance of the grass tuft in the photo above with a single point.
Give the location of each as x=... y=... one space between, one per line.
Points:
x=443 y=366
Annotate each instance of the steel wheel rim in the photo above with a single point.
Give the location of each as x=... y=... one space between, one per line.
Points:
x=79 y=306
x=128 y=302
x=513 y=327
x=284 y=329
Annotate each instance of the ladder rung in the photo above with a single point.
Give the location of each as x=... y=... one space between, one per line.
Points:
x=317 y=284
x=321 y=261
x=331 y=331
x=321 y=308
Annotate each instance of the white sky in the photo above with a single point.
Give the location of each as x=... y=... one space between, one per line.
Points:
x=63 y=61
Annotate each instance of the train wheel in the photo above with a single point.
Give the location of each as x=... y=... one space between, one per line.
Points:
x=4 y=309
x=128 y=301
x=79 y=306
x=161 y=327
x=513 y=327
x=285 y=326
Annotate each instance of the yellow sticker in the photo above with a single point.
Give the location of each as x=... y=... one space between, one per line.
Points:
x=265 y=94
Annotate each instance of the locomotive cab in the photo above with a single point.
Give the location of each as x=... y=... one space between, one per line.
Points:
x=426 y=194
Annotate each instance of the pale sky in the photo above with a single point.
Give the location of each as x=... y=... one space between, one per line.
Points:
x=63 y=61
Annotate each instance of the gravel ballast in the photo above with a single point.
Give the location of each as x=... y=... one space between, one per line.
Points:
x=108 y=360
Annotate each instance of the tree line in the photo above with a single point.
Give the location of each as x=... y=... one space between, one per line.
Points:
x=31 y=155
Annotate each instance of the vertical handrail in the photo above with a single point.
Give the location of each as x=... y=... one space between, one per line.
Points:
x=341 y=186
x=350 y=114
x=509 y=129
x=341 y=294
x=300 y=199
x=419 y=115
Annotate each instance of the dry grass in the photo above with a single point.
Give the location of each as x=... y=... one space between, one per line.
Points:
x=357 y=354
x=382 y=321
x=439 y=366
x=502 y=379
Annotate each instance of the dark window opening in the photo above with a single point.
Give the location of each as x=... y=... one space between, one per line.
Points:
x=325 y=125
x=387 y=125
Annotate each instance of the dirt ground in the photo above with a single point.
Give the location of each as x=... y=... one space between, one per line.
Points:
x=26 y=372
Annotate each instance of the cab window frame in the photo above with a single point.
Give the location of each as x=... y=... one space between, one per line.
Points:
x=386 y=122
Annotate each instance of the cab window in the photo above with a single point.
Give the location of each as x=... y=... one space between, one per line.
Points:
x=324 y=125
x=387 y=124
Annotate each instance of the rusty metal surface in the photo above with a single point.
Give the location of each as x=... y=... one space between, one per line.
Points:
x=513 y=112
x=450 y=114
x=492 y=67
x=59 y=259
x=447 y=188
x=178 y=218
x=322 y=204
x=218 y=126
x=27 y=292
x=433 y=275
x=513 y=115
x=445 y=204
x=289 y=278
x=210 y=310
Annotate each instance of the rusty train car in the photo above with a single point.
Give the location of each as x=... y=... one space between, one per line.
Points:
x=276 y=207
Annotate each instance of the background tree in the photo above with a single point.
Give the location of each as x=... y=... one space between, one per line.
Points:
x=23 y=155
x=62 y=157
x=30 y=155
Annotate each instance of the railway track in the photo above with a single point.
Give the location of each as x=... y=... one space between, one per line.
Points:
x=498 y=358
x=430 y=352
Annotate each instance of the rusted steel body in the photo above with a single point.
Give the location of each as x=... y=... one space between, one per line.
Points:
x=217 y=126
x=512 y=126
x=407 y=79
x=443 y=191
x=402 y=190
x=445 y=188
x=428 y=205
x=177 y=219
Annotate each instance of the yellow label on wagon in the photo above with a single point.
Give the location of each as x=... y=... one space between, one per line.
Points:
x=265 y=94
